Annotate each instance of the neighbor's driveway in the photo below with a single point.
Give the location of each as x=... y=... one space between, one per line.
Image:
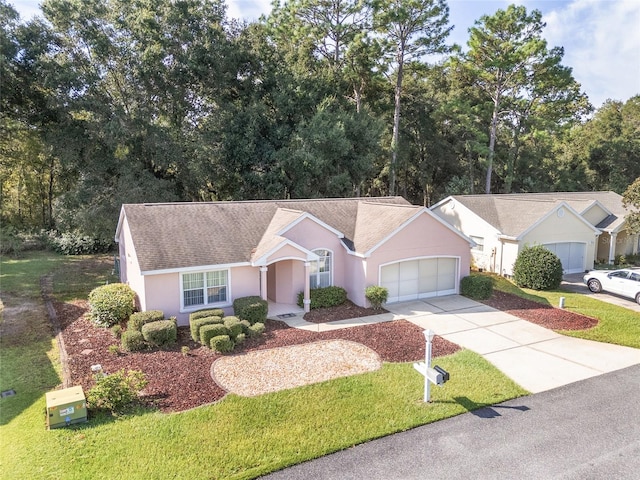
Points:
x=535 y=357
x=573 y=283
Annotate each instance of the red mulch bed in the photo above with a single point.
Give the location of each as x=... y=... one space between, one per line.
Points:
x=543 y=315
x=341 y=312
x=178 y=382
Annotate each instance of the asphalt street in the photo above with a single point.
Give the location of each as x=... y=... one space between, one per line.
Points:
x=585 y=430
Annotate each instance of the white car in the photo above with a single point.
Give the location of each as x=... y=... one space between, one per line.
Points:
x=625 y=282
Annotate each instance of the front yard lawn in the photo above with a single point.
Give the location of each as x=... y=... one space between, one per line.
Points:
x=234 y=438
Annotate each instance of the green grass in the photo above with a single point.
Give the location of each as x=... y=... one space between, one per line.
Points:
x=617 y=325
x=245 y=437
x=234 y=438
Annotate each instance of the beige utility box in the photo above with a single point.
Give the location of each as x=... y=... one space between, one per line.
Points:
x=65 y=407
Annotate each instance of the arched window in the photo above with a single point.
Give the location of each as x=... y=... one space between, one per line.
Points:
x=321 y=270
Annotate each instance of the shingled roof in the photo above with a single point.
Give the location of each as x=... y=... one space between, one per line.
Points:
x=180 y=235
x=512 y=214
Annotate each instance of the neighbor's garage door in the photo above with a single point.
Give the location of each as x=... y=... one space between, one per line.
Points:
x=426 y=277
x=571 y=254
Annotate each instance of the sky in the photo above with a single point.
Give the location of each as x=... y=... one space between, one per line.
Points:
x=601 y=38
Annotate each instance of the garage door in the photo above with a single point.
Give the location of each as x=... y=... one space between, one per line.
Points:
x=421 y=278
x=571 y=254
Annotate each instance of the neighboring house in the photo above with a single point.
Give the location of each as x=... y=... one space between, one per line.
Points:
x=181 y=257
x=581 y=228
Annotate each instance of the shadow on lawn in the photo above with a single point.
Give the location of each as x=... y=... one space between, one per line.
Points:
x=483 y=411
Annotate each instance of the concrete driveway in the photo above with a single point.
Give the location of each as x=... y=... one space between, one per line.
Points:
x=573 y=283
x=536 y=358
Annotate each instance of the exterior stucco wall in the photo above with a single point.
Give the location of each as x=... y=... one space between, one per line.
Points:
x=472 y=225
x=563 y=229
x=314 y=236
x=129 y=268
x=506 y=256
x=162 y=292
x=423 y=237
x=595 y=215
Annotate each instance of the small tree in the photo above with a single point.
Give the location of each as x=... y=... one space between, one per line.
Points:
x=537 y=268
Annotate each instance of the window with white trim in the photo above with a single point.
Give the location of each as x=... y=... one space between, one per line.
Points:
x=205 y=288
x=320 y=275
x=479 y=243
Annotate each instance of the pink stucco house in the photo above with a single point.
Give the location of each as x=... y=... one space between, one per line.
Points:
x=182 y=257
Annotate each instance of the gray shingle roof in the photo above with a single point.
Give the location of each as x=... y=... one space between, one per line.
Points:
x=181 y=235
x=512 y=214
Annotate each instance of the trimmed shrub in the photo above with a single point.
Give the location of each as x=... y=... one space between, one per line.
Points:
x=376 y=296
x=161 y=332
x=116 y=391
x=324 y=297
x=240 y=338
x=479 y=287
x=209 y=312
x=234 y=326
x=138 y=319
x=111 y=304
x=222 y=344
x=537 y=268
x=245 y=326
x=194 y=325
x=253 y=309
x=116 y=330
x=207 y=332
x=132 y=341
x=256 y=329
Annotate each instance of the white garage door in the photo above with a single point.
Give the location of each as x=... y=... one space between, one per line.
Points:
x=571 y=254
x=422 y=278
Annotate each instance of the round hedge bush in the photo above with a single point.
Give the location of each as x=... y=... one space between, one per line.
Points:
x=111 y=304
x=160 y=332
x=132 y=341
x=537 y=268
x=478 y=287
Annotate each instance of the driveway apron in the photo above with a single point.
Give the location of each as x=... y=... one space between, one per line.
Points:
x=535 y=357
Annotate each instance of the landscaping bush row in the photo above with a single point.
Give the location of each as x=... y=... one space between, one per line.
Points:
x=222 y=334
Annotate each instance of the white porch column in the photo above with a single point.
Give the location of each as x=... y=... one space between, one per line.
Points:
x=263 y=283
x=612 y=247
x=636 y=241
x=307 y=287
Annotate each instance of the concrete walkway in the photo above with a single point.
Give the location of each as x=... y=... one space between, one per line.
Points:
x=536 y=358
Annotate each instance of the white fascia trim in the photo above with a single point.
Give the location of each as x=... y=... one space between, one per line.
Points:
x=199 y=268
x=442 y=202
x=120 y=223
x=262 y=261
x=304 y=216
x=562 y=204
x=508 y=237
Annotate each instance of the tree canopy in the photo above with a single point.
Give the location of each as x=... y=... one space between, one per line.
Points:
x=106 y=102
